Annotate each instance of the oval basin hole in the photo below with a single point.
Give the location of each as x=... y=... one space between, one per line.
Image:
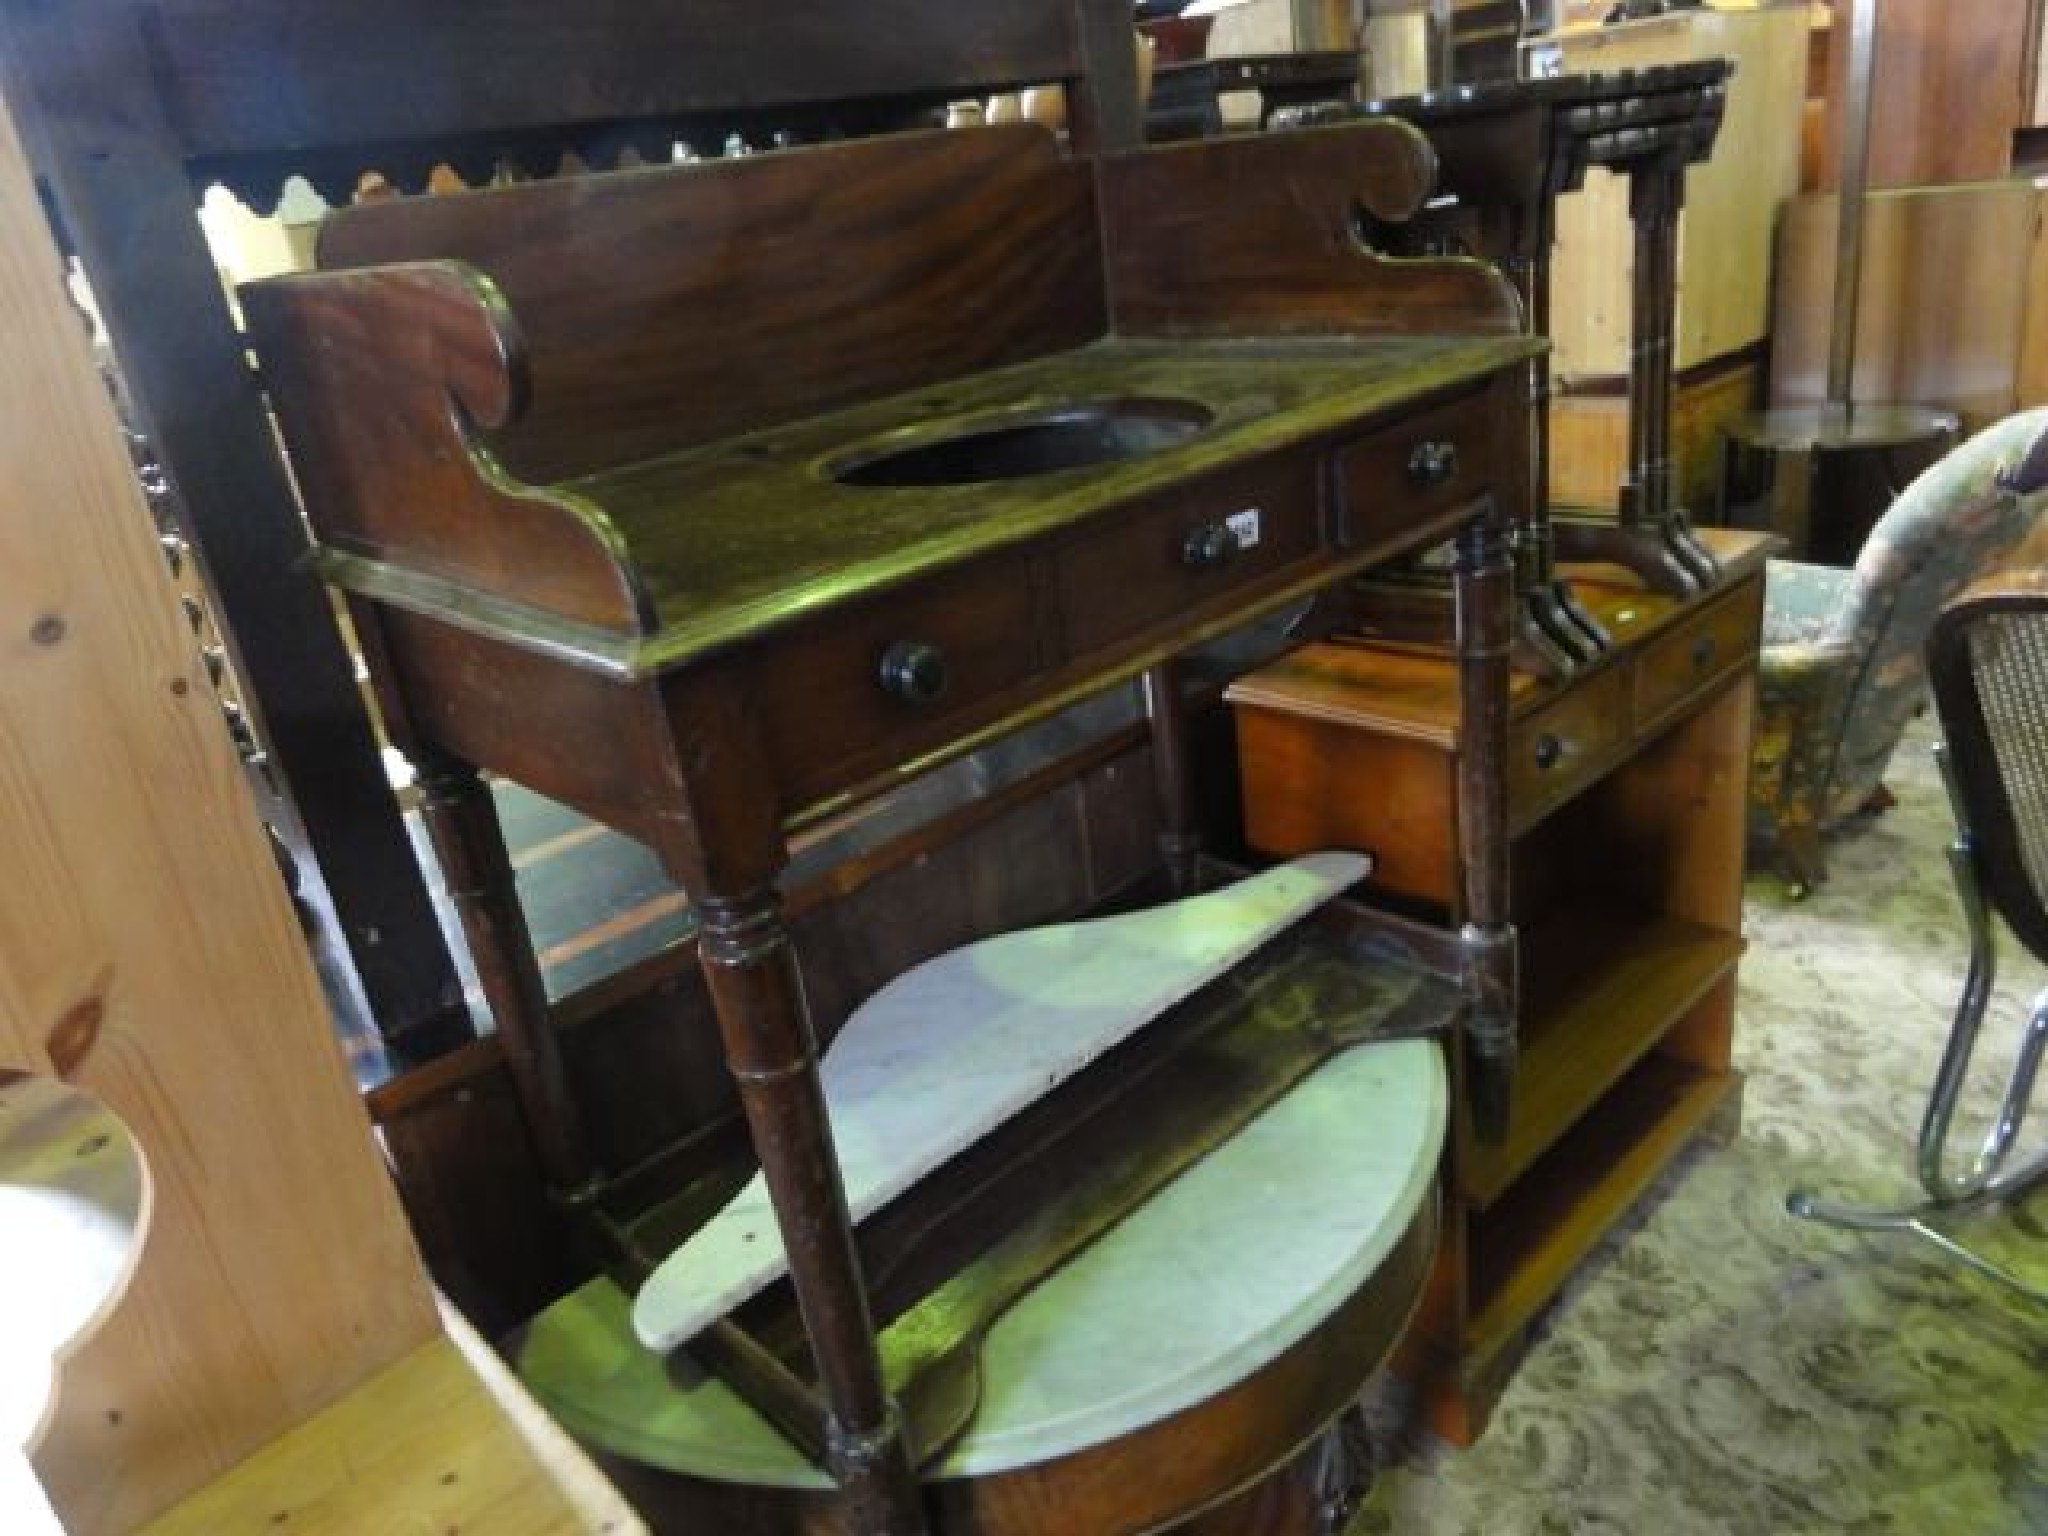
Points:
x=1015 y=447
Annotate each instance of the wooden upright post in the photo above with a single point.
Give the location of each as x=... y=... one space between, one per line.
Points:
x=148 y=955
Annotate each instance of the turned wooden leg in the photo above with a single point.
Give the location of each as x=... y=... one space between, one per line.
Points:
x=1546 y=644
x=724 y=845
x=1800 y=858
x=462 y=820
x=1180 y=843
x=1656 y=194
x=757 y=991
x=1484 y=583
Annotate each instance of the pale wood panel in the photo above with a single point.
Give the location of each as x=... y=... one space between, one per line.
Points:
x=2031 y=387
x=1942 y=307
x=1731 y=201
x=148 y=955
x=2037 y=96
x=1950 y=86
x=445 y=1440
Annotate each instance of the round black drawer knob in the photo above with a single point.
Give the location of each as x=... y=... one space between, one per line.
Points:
x=913 y=672
x=1432 y=463
x=1549 y=751
x=1703 y=653
x=1209 y=546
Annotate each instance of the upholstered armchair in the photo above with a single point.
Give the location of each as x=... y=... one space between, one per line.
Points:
x=1841 y=671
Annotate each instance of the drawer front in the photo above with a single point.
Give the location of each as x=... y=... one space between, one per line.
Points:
x=1698 y=652
x=871 y=687
x=1166 y=561
x=1558 y=749
x=1420 y=469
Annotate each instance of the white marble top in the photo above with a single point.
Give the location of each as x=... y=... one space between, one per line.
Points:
x=954 y=1047
x=1208 y=1281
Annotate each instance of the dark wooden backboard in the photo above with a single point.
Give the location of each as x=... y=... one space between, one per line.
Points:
x=131 y=109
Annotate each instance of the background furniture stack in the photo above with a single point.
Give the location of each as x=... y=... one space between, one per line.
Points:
x=1731 y=206
x=1950 y=309
x=1954 y=303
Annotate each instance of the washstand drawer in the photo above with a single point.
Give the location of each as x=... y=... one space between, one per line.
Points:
x=868 y=687
x=1704 y=648
x=1424 y=467
x=1558 y=748
x=1161 y=561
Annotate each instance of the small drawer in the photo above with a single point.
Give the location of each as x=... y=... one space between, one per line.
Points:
x=1422 y=468
x=1556 y=750
x=868 y=688
x=1169 y=559
x=1697 y=652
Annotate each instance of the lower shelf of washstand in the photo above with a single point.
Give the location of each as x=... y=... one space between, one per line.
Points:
x=1215 y=1277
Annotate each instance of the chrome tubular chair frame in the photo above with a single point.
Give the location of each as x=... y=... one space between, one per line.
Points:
x=1988 y=665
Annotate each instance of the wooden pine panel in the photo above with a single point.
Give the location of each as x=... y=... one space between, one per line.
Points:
x=443 y=1441
x=2031 y=387
x=148 y=955
x=1589 y=436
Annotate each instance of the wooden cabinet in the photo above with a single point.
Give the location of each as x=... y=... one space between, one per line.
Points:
x=1625 y=805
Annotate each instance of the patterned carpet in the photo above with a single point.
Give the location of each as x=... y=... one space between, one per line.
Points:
x=1720 y=1367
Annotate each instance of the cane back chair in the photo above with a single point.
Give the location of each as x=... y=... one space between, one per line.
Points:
x=1987 y=663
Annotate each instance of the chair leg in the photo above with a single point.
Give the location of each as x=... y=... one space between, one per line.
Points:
x=1800 y=859
x=1986 y=1180
x=1914 y=1221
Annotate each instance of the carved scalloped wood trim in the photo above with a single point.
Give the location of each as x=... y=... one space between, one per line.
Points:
x=381 y=380
x=1265 y=235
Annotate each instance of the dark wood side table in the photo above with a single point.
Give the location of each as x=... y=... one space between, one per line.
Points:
x=1625 y=805
x=1508 y=149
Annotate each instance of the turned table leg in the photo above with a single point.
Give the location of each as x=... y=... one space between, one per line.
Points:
x=751 y=969
x=726 y=849
x=1180 y=840
x=1653 y=538
x=462 y=821
x=1553 y=608
x=1484 y=593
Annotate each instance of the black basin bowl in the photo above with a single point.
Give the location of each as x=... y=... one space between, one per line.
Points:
x=1018 y=444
